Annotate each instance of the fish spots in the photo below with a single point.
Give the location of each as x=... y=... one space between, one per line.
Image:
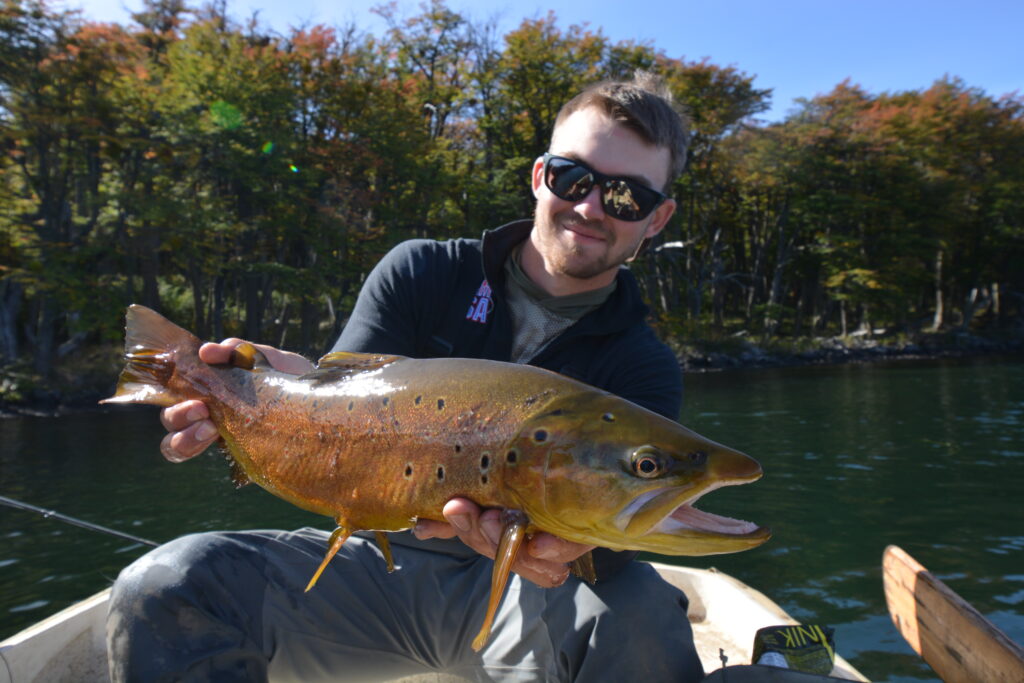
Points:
x=440 y=472
x=485 y=467
x=418 y=400
x=386 y=400
x=440 y=404
x=351 y=405
x=608 y=417
x=458 y=448
x=512 y=457
x=408 y=470
x=540 y=436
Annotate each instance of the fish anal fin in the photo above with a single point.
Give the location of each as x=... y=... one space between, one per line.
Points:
x=583 y=568
x=337 y=540
x=341 y=364
x=385 y=549
x=514 y=523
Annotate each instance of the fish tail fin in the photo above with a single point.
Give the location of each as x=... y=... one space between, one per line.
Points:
x=151 y=344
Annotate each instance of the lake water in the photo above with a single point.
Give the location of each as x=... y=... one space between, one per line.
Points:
x=925 y=455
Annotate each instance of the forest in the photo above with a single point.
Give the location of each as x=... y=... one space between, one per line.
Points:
x=245 y=181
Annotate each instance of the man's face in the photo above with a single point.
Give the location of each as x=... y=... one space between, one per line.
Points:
x=578 y=240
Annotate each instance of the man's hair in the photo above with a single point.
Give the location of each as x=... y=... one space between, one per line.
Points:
x=645 y=106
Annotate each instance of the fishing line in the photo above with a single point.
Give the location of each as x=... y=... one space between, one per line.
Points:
x=53 y=514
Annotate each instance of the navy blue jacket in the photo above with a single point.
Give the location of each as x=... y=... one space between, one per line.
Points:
x=430 y=299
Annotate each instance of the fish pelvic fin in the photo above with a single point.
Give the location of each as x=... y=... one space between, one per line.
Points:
x=515 y=523
x=151 y=342
x=337 y=540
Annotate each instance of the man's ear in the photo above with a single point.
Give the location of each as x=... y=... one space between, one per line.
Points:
x=537 y=177
x=660 y=217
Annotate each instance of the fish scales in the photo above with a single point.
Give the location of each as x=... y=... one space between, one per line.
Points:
x=376 y=442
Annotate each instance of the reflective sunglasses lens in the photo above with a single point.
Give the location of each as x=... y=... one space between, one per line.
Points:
x=568 y=180
x=621 y=201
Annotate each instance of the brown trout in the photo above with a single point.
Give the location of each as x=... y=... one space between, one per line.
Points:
x=376 y=442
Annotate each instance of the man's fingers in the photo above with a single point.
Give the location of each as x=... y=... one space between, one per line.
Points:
x=429 y=528
x=218 y=354
x=182 y=415
x=481 y=531
x=181 y=445
x=548 y=547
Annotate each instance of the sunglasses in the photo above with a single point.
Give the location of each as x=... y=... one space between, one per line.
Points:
x=621 y=198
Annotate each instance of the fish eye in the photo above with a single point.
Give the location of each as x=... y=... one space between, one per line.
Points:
x=648 y=463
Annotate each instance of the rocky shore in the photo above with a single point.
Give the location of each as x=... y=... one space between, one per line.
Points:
x=835 y=350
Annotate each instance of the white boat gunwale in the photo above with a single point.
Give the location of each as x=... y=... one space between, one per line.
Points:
x=724 y=612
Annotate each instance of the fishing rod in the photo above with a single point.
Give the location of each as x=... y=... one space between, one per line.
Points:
x=53 y=514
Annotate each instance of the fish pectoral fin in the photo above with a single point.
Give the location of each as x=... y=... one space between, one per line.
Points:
x=337 y=540
x=238 y=475
x=341 y=364
x=512 y=535
x=385 y=549
x=583 y=568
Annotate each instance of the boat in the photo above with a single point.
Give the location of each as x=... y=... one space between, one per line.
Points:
x=725 y=613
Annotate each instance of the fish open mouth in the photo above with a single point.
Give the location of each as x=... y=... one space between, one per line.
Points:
x=690 y=518
x=667 y=517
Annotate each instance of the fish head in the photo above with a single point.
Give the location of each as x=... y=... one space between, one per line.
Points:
x=596 y=469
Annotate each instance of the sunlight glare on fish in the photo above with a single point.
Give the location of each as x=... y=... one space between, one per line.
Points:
x=359 y=387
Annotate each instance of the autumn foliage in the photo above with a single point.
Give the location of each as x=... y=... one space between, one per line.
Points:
x=245 y=181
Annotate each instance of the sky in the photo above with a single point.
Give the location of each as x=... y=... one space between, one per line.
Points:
x=797 y=48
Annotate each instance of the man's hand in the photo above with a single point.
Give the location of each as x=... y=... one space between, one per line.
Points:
x=543 y=560
x=188 y=422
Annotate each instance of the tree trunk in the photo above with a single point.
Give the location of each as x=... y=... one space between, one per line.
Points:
x=937 y=320
x=10 y=307
x=43 y=341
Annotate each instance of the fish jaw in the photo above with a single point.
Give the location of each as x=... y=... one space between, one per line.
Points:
x=665 y=521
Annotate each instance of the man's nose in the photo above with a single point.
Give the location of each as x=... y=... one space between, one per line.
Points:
x=590 y=207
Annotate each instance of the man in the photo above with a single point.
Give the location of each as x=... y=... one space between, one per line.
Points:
x=230 y=606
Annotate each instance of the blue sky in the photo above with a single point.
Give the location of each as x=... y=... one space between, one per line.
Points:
x=798 y=48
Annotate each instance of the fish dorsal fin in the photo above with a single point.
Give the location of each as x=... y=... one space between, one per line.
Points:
x=342 y=364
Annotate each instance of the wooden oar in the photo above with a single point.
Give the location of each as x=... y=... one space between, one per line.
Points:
x=956 y=641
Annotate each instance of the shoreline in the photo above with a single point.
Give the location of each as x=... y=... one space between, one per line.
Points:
x=84 y=397
x=835 y=351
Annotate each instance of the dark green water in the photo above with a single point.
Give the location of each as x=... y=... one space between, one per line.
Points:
x=929 y=456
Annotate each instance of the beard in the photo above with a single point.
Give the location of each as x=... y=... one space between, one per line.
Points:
x=578 y=260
